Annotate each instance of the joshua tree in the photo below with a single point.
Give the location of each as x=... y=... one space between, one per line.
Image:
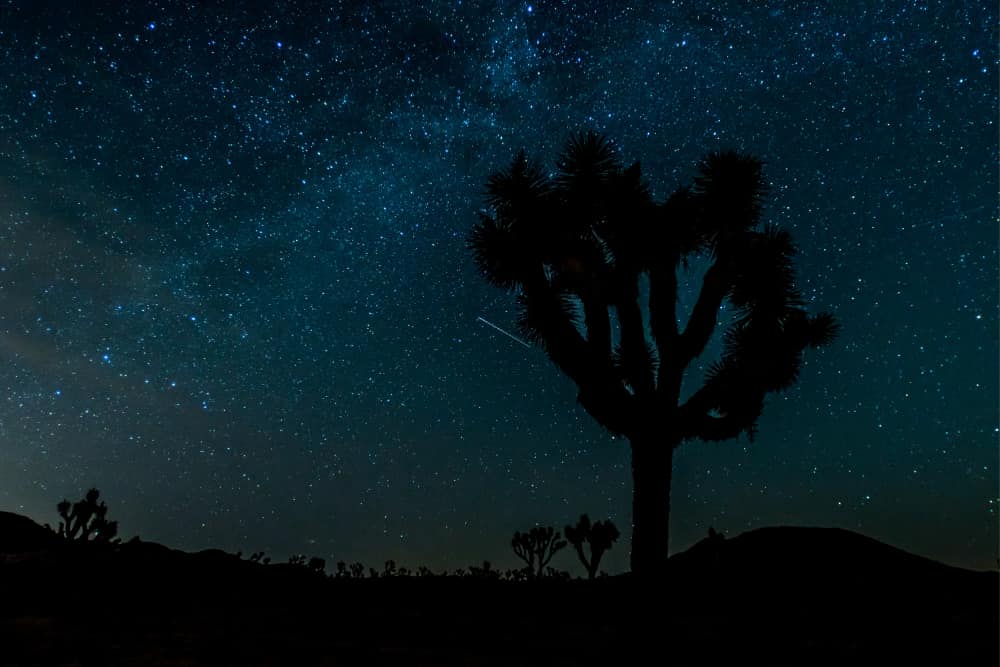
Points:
x=585 y=250
x=539 y=544
x=600 y=536
x=86 y=520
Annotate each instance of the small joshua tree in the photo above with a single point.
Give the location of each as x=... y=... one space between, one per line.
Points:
x=600 y=536
x=86 y=520
x=539 y=544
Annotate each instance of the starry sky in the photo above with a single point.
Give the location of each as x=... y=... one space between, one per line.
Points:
x=235 y=293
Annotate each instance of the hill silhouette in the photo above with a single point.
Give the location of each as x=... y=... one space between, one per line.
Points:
x=19 y=534
x=783 y=595
x=780 y=555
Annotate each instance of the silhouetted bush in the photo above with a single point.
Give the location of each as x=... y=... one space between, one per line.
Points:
x=484 y=572
x=520 y=574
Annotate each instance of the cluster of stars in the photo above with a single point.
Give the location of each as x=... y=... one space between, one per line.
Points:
x=235 y=293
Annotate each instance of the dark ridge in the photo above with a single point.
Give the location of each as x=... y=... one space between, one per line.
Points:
x=799 y=564
x=809 y=549
x=19 y=534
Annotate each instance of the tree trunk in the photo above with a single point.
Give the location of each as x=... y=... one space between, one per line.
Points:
x=652 y=472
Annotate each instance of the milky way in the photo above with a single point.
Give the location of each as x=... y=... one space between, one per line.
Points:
x=235 y=293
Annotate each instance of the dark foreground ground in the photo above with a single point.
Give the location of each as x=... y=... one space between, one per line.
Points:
x=777 y=596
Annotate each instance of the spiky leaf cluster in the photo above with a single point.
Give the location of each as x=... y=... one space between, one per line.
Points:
x=573 y=246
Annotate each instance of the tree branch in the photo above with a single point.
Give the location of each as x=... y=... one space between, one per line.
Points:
x=633 y=339
x=704 y=315
x=699 y=403
x=663 y=322
x=696 y=420
x=714 y=429
x=601 y=394
x=564 y=344
x=598 y=323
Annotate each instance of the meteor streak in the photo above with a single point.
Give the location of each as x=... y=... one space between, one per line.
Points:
x=504 y=332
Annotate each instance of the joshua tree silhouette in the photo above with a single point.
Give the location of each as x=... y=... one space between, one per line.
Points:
x=86 y=520
x=537 y=545
x=600 y=536
x=590 y=239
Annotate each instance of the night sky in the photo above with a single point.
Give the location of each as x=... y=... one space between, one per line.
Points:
x=235 y=293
